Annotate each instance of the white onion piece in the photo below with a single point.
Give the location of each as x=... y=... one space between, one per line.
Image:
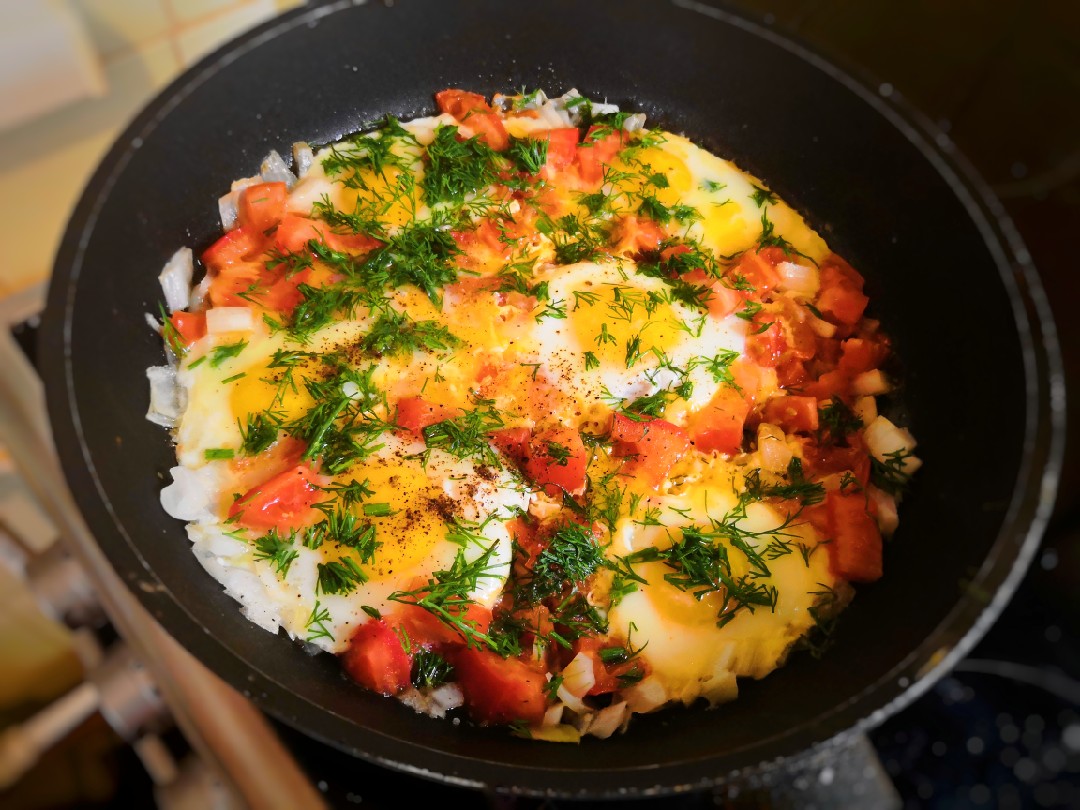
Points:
x=244 y=182
x=303 y=157
x=773 y=448
x=191 y=494
x=227 y=209
x=884 y=439
x=220 y=320
x=578 y=676
x=553 y=716
x=799 y=279
x=887 y=517
x=553 y=117
x=199 y=293
x=435 y=703
x=634 y=122
x=164 y=407
x=646 y=695
x=821 y=328
x=870 y=383
x=274 y=170
x=866 y=409
x=175 y=279
x=608 y=720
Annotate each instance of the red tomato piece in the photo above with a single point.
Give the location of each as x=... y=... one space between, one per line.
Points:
x=234 y=247
x=655 y=450
x=230 y=282
x=855 y=550
x=758 y=267
x=261 y=206
x=625 y=429
x=633 y=235
x=766 y=348
x=562 y=147
x=862 y=354
x=416 y=413
x=606 y=676
x=830 y=459
x=500 y=690
x=473 y=111
x=190 y=326
x=830 y=385
x=294 y=232
x=593 y=153
x=841 y=299
x=375 y=658
x=719 y=425
x=557 y=459
x=283 y=503
x=513 y=442
x=793 y=414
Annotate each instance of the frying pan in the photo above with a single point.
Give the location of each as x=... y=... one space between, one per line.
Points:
x=945 y=271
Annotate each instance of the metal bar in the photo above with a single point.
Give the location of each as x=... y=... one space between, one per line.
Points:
x=226 y=730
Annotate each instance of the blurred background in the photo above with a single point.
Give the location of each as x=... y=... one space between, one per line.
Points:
x=1000 y=78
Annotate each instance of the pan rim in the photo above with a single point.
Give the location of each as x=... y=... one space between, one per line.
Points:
x=954 y=635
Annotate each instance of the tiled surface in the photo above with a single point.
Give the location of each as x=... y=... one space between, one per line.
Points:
x=45 y=162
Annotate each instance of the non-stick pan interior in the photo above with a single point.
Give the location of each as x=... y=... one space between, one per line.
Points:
x=933 y=272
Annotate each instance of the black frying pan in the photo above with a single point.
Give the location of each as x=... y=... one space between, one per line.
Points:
x=946 y=274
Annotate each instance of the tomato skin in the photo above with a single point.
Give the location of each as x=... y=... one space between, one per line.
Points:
x=651 y=447
x=375 y=658
x=261 y=206
x=862 y=354
x=553 y=473
x=283 y=503
x=841 y=299
x=189 y=325
x=794 y=414
x=719 y=425
x=294 y=232
x=233 y=247
x=562 y=147
x=416 y=413
x=856 y=547
x=593 y=153
x=766 y=348
x=513 y=442
x=499 y=690
x=758 y=268
x=634 y=235
x=473 y=111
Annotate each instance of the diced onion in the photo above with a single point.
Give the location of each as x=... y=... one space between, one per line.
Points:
x=572 y=701
x=274 y=170
x=220 y=320
x=773 y=448
x=553 y=716
x=646 y=695
x=799 y=279
x=554 y=117
x=303 y=157
x=887 y=517
x=634 y=122
x=164 y=396
x=578 y=676
x=227 y=209
x=884 y=439
x=870 y=383
x=199 y=293
x=608 y=720
x=866 y=409
x=175 y=279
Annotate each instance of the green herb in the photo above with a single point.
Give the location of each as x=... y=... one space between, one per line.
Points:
x=378 y=510
x=340 y=576
x=218 y=453
x=395 y=333
x=316 y=623
x=571 y=556
x=276 y=550
x=466 y=436
x=890 y=474
x=528 y=154
x=169 y=333
x=762 y=197
x=219 y=354
x=260 y=433
x=456 y=168
x=430 y=669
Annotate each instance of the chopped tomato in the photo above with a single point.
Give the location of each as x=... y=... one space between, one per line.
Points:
x=855 y=550
x=230 y=283
x=765 y=344
x=793 y=414
x=651 y=447
x=758 y=268
x=862 y=354
x=190 y=326
x=841 y=299
x=593 y=153
x=636 y=234
x=473 y=112
x=375 y=658
x=606 y=676
x=499 y=690
x=294 y=232
x=562 y=147
x=261 y=206
x=513 y=442
x=283 y=503
x=829 y=385
x=719 y=425
x=416 y=413
x=557 y=460
x=822 y=460
x=234 y=247
x=426 y=630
